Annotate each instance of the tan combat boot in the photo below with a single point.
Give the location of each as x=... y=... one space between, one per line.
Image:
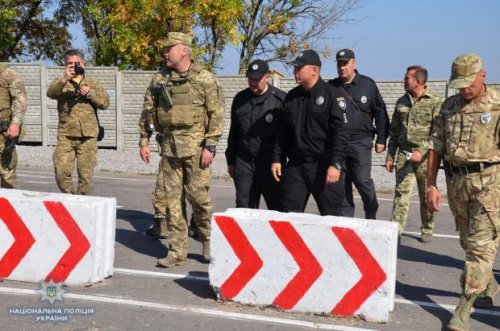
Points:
x=461 y=318
x=487 y=298
x=205 y=252
x=169 y=261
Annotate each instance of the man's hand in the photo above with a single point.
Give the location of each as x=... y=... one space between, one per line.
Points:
x=230 y=170
x=69 y=72
x=206 y=158
x=332 y=175
x=379 y=148
x=389 y=165
x=434 y=198
x=145 y=153
x=13 y=131
x=276 y=170
x=416 y=157
x=84 y=90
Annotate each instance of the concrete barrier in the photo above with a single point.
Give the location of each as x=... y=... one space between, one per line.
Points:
x=305 y=263
x=63 y=237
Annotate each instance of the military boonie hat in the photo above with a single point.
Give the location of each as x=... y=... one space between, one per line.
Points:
x=308 y=56
x=257 y=69
x=344 y=55
x=176 y=38
x=464 y=70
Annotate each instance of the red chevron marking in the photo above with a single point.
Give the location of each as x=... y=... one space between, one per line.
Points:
x=79 y=244
x=372 y=275
x=23 y=239
x=310 y=269
x=250 y=264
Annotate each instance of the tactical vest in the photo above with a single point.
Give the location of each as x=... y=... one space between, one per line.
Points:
x=472 y=136
x=4 y=95
x=183 y=112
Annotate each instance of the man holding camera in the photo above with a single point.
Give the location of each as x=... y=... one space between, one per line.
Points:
x=78 y=99
x=407 y=150
x=13 y=105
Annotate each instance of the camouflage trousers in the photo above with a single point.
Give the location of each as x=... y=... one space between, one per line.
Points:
x=8 y=164
x=84 y=151
x=159 y=197
x=406 y=174
x=180 y=174
x=474 y=201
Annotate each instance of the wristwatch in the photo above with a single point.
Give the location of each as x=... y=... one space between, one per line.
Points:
x=210 y=148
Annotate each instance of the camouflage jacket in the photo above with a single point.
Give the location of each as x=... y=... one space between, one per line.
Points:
x=205 y=93
x=16 y=92
x=411 y=123
x=76 y=112
x=466 y=133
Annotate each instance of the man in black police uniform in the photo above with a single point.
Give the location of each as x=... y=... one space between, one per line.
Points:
x=313 y=134
x=255 y=115
x=361 y=93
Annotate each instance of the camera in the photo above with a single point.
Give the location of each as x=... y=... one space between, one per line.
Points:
x=78 y=69
x=408 y=156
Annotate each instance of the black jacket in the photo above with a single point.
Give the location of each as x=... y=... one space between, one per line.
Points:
x=313 y=126
x=365 y=93
x=254 y=124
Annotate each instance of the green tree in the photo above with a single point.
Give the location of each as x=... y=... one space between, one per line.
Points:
x=277 y=29
x=26 y=34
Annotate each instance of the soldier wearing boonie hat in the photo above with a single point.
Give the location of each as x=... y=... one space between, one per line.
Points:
x=472 y=156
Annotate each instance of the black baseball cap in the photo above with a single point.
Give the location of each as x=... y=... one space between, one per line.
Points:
x=308 y=56
x=257 y=69
x=344 y=55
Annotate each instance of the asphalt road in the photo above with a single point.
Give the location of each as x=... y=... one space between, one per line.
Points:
x=140 y=296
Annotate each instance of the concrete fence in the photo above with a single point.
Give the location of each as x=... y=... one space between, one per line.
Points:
x=126 y=90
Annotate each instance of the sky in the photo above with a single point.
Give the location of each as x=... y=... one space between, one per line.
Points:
x=391 y=35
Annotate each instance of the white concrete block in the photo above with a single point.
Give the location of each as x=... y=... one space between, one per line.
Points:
x=304 y=262
x=67 y=238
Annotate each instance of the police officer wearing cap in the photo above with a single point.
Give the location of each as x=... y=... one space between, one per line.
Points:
x=255 y=116
x=466 y=134
x=362 y=94
x=313 y=134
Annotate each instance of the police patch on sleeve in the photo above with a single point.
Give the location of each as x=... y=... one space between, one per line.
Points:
x=320 y=100
x=364 y=99
x=269 y=118
x=341 y=103
x=486 y=118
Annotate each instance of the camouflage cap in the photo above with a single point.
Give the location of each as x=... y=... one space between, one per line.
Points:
x=175 y=38
x=464 y=70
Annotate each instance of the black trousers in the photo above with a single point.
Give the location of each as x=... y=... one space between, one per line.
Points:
x=302 y=180
x=253 y=179
x=358 y=171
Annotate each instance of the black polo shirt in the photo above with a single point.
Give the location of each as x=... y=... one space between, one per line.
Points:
x=313 y=126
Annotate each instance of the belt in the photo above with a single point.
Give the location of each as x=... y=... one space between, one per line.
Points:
x=469 y=169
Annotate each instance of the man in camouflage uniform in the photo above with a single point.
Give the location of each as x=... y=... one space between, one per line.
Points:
x=148 y=123
x=467 y=134
x=77 y=98
x=13 y=105
x=410 y=129
x=191 y=112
